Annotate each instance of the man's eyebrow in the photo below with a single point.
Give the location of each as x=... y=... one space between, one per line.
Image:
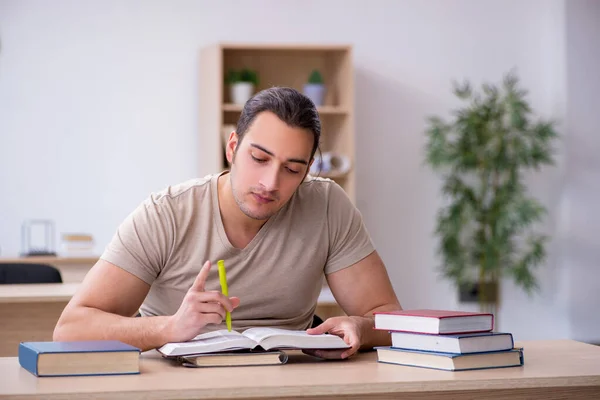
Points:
x=294 y=160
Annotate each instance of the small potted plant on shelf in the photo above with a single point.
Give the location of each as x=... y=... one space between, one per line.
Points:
x=314 y=89
x=242 y=84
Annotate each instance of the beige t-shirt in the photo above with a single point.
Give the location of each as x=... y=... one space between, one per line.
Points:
x=278 y=276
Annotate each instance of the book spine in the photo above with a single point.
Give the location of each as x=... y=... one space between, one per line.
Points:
x=28 y=359
x=521 y=356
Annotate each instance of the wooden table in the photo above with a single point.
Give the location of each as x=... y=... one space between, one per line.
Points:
x=52 y=260
x=72 y=269
x=561 y=369
x=30 y=312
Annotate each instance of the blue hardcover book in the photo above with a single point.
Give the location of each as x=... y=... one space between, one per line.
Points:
x=458 y=343
x=451 y=361
x=98 y=357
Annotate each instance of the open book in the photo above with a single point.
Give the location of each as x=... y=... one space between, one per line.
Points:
x=253 y=338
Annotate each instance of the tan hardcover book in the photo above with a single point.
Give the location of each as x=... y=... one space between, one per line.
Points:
x=451 y=361
x=235 y=359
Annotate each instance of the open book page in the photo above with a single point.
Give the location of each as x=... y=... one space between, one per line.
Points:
x=210 y=342
x=273 y=338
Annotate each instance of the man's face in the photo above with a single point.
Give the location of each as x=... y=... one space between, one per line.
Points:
x=269 y=165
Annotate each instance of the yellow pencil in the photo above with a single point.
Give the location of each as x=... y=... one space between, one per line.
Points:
x=224 y=290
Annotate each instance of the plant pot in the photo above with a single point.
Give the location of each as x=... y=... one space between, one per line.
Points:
x=315 y=92
x=241 y=92
x=471 y=292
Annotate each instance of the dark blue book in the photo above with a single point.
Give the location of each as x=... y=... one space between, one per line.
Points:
x=464 y=343
x=451 y=361
x=99 y=357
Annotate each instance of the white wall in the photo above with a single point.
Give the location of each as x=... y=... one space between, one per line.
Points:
x=583 y=186
x=98 y=107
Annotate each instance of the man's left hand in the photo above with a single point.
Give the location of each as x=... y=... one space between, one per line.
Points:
x=348 y=328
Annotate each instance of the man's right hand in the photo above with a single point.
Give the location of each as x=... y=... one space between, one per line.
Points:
x=198 y=309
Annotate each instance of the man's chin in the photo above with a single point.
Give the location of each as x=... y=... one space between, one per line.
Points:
x=259 y=215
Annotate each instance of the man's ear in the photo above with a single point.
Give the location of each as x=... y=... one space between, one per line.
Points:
x=232 y=143
x=312 y=160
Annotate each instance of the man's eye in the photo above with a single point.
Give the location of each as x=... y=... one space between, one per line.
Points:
x=258 y=160
x=292 y=171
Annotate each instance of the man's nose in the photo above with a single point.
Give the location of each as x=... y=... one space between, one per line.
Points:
x=270 y=180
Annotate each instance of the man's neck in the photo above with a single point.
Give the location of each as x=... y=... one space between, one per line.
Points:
x=239 y=228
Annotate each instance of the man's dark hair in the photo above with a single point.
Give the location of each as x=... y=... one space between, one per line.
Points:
x=291 y=106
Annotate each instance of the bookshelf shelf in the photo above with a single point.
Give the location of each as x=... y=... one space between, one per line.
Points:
x=323 y=110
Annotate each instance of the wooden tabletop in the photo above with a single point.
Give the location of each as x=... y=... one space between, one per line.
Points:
x=552 y=370
x=37 y=293
x=52 y=292
x=50 y=260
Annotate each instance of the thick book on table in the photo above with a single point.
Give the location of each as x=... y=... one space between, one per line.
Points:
x=450 y=361
x=235 y=359
x=253 y=338
x=462 y=343
x=99 y=357
x=434 y=321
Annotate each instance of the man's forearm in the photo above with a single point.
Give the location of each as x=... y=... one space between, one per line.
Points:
x=84 y=323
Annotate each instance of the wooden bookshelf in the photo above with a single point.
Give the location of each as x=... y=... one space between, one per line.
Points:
x=280 y=65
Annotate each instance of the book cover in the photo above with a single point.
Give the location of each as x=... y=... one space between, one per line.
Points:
x=450 y=361
x=235 y=359
x=434 y=321
x=454 y=343
x=98 y=357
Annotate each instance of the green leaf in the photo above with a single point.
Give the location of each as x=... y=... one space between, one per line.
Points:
x=439 y=152
x=243 y=75
x=534 y=255
x=315 y=77
x=544 y=131
x=462 y=90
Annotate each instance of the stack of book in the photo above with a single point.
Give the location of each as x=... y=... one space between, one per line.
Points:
x=447 y=340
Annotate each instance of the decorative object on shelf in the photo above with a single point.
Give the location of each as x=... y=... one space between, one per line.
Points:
x=315 y=88
x=77 y=245
x=484 y=229
x=37 y=238
x=242 y=84
x=330 y=163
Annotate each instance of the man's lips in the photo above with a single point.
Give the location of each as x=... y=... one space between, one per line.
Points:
x=262 y=199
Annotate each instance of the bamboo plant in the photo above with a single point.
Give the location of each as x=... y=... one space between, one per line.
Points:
x=486 y=226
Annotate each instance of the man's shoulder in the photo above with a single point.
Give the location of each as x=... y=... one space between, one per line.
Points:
x=195 y=188
x=316 y=185
x=318 y=189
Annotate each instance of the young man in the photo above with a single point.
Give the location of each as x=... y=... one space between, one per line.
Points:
x=277 y=229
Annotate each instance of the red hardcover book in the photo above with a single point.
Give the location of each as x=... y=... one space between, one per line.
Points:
x=434 y=321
